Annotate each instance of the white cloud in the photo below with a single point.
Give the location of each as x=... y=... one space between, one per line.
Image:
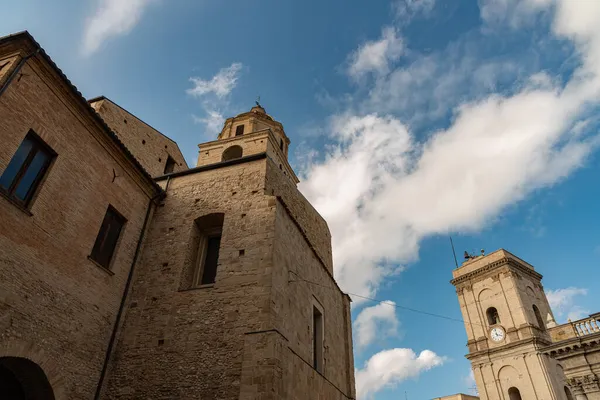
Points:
x=562 y=302
x=221 y=84
x=375 y=322
x=393 y=190
x=213 y=121
x=375 y=56
x=111 y=18
x=405 y=10
x=214 y=92
x=388 y=368
x=470 y=381
x=514 y=12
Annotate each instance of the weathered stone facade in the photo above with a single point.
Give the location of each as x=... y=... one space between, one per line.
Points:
x=515 y=347
x=272 y=323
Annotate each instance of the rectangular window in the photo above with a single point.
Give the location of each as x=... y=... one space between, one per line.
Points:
x=239 y=131
x=211 y=259
x=26 y=169
x=317 y=339
x=170 y=165
x=110 y=230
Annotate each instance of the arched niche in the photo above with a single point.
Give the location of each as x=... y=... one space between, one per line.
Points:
x=232 y=152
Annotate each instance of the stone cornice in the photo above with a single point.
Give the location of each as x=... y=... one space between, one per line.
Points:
x=573 y=346
x=493 y=266
x=513 y=345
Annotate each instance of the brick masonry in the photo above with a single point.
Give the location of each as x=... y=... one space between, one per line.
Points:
x=247 y=336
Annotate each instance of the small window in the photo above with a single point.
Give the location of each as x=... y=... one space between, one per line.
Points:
x=492 y=316
x=239 y=131
x=209 y=229
x=232 y=153
x=170 y=165
x=538 y=317
x=514 y=394
x=26 y=169
x=109 y=233
x=281 y=144
x=317 y=339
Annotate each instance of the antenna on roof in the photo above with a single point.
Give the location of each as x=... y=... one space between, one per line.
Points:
x=453 y=252
x=258 y=101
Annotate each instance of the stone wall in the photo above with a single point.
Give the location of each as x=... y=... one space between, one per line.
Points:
x=58 y=307
x=149 y=146
x=312 y=225
x=181 y=342
x=300 y=281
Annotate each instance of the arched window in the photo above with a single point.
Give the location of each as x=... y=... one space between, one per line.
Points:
x=492 y=316
x=568 y=393
x=538 y=317
x=514 y=394
x=232 y=153
x=22 y=379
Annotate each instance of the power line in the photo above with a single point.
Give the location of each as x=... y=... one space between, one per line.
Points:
x=388 y=303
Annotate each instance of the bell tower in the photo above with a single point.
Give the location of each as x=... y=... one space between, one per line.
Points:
x=506 y=316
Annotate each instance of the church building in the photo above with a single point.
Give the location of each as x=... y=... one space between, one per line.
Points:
x=516 y=348
x=126 y=274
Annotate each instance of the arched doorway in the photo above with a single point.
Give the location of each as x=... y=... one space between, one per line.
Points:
x=22 y=379
x=514 y=394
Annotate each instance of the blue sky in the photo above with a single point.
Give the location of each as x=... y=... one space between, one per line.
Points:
x=409 y=120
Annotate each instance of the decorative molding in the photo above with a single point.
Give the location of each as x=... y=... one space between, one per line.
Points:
x=584 y=384
x=495 y=265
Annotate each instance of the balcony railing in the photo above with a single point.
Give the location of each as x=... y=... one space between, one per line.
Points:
x=573 y=329
x=587 y=326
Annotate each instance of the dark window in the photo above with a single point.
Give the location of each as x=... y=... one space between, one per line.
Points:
x=538 y=317
x=239 y=131
x=232 y=152
x=209 y=272
x=26 y=169
x=514 y=394
x=108 y=236
x=281 y=144
x=208 y=228
x=492 y=316
x=317 y=339
x=170 y=165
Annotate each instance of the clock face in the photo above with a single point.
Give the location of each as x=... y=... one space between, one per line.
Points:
x=497 y=334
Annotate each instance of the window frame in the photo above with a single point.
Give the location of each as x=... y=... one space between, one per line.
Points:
x=318 y=337
x=238 y=131
x=200 y=266
x=38 y=144
x=117 y=216
x=489 y=313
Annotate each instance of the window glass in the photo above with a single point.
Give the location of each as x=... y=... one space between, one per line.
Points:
x=107 y=238
x=15 y=164
x=33 y=173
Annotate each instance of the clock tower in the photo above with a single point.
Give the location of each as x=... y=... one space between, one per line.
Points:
x=506 y=316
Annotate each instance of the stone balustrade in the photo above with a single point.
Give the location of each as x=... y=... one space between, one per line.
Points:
x=587 y=326
x=573 y=329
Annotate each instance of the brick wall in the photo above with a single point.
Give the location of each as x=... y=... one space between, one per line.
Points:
x=58 y=307
x=149 y=146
